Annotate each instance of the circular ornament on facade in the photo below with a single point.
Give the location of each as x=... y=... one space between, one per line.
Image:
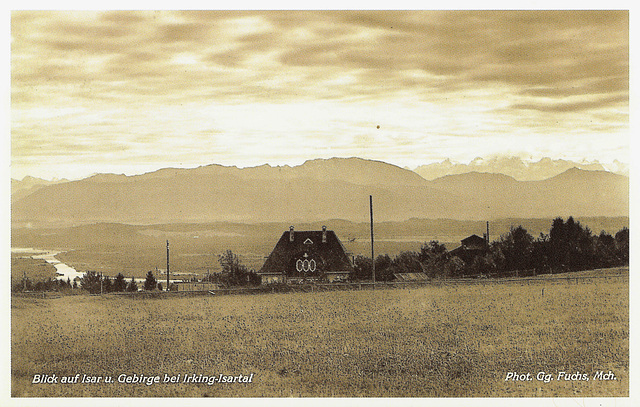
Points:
x=305 y=265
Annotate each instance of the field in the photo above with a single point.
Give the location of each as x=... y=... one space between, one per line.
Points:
x=433 y=341
x=34 y=269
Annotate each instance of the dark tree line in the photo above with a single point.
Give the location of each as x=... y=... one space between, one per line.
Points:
x=568 y=247
x=90 y=281
x=433 y=260
x=50 y=284
x=96 y=283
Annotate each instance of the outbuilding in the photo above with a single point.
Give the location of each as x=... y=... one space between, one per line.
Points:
x=471 y=247
x=195 y=286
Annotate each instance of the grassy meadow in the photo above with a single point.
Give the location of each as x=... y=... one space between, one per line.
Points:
x=433 y=341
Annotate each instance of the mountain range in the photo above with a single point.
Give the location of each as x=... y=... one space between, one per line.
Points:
x=28 y=185
x=336 y=188
x=516 y=167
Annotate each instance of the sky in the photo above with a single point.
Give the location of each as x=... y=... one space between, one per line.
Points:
x=134 y=91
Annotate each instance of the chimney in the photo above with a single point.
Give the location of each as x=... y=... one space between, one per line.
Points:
x=324 y=234
x=291 y=233
x=487 y=232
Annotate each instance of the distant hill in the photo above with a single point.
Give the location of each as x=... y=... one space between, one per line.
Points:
x=335 y=188
x=516 y=168
x=28 y=185
x=356 y=171
x=574 y=192
x=319 y=189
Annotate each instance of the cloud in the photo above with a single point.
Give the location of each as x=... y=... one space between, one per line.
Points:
x=575 y=106
x=523 y=49
x=479 y=72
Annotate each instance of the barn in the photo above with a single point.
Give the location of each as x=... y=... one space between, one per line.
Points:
x=307 y=256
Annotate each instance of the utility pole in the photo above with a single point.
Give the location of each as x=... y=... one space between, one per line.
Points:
x=373 y=259
x=167 y=266
x=488 y=242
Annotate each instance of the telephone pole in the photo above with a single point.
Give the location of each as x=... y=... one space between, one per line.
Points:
x=373 y=259
x=167 y=289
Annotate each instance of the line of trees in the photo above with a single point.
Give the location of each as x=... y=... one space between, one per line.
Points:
x=49 y=284
x=96 y=283
x=569 y=246
x=91 y=281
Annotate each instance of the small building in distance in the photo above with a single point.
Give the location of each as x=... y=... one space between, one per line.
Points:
x=306 y=256
x=470 y=247
x=411 y=277
x=182 y=286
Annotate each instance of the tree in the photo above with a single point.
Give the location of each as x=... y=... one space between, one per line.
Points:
x=605 y=250
x=558 y=244
x=622 y=245
x=119 y=283
x=406 y=262
x=431 y=251
x=235 y=273
x=433 y=256
x=90 y=281
x=516 y=247
x=132 y=287
x=384 y=268
x=150 y=282
x=453 y=267
x=541 y=254
x=361 y=268
x=481 y=265
x=107 y=286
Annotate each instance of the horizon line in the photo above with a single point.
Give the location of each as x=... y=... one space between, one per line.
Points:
x=267 y=164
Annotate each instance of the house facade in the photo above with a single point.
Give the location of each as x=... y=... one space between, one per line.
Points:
x=307 y=256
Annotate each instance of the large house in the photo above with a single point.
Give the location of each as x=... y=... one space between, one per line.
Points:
x=309 y=255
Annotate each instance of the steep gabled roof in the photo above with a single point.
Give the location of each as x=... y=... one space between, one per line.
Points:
x=286 y=252
x=473 y=241
x=470 y=245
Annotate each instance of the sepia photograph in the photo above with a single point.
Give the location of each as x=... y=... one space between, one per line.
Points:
x=317 y=204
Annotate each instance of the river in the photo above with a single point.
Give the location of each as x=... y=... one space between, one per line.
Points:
x=64 y=271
